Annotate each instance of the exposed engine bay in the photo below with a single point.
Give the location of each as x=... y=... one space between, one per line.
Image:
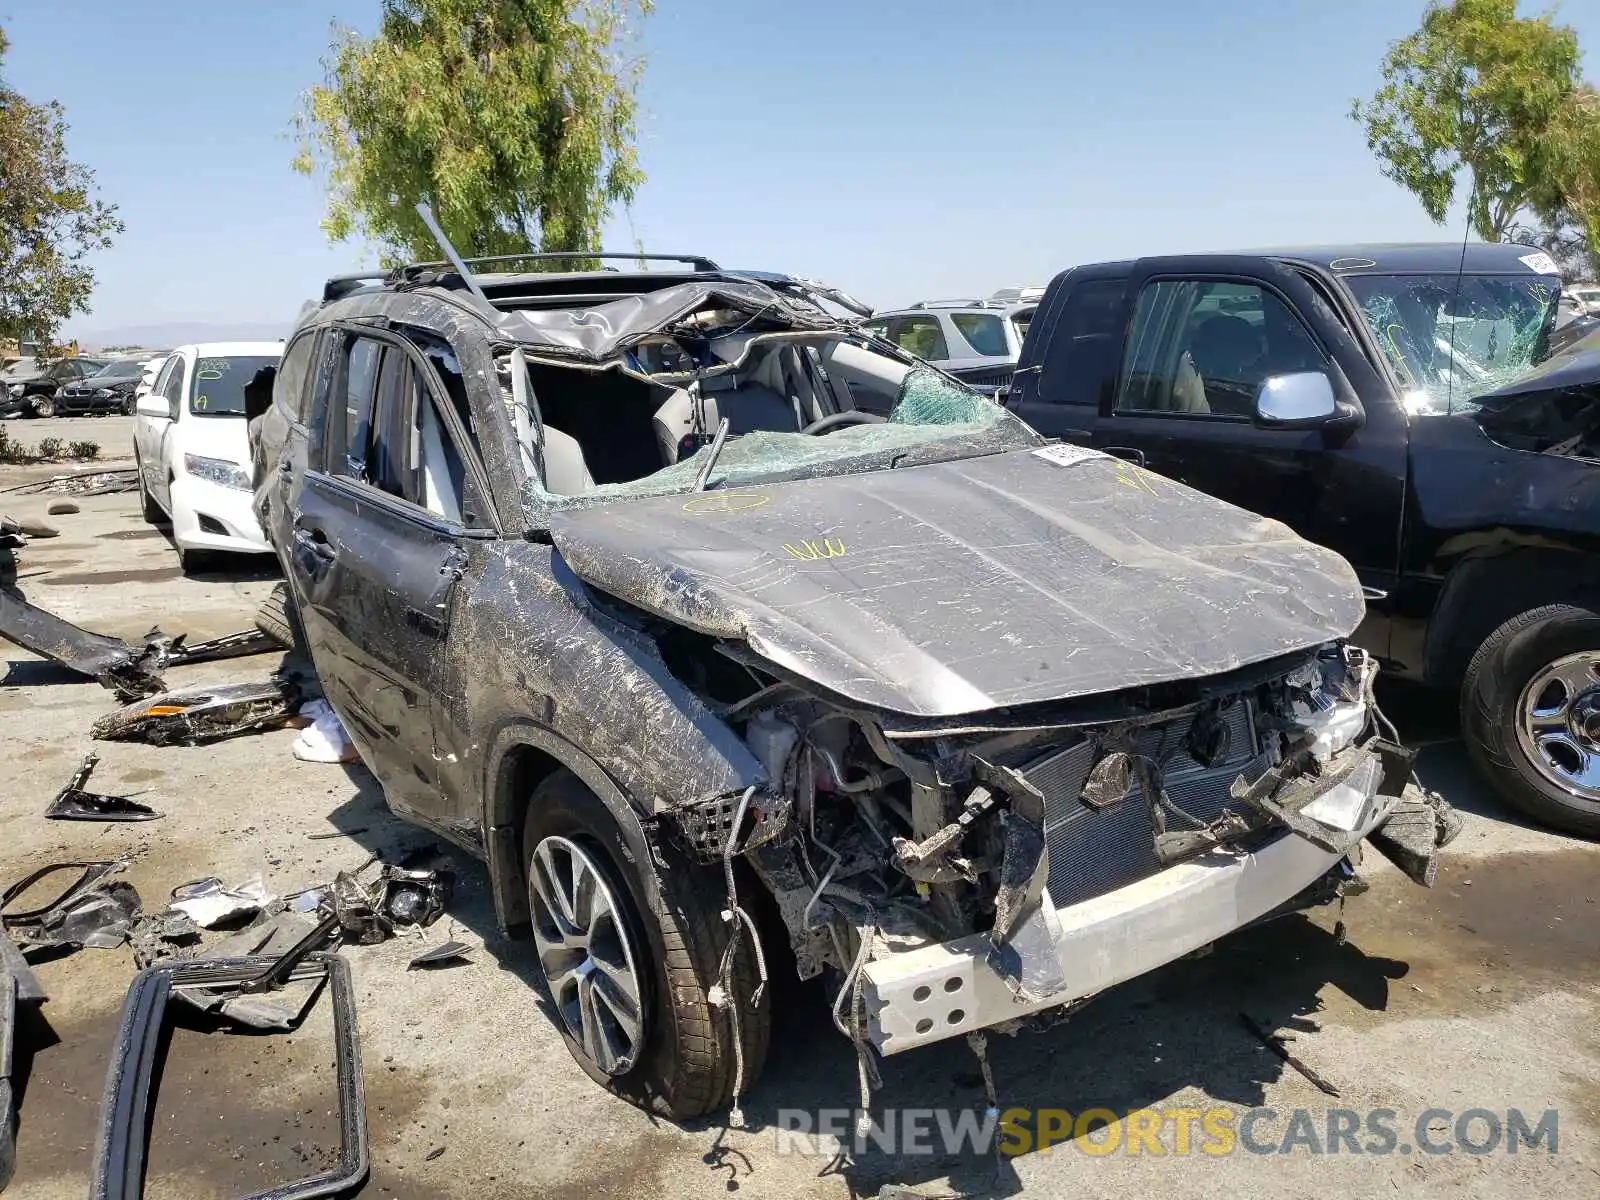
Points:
x=877 y=840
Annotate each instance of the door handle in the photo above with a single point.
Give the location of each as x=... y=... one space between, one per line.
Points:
x=315 y=543
x=1131 y=453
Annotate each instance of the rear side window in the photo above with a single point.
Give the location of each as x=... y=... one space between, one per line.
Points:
x=920 y=336
x=984 y=332
x=172 y=390
x=1080 y=366
x=289 y=392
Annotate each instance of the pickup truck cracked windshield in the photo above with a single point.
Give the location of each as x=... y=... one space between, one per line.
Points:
x=622 y=580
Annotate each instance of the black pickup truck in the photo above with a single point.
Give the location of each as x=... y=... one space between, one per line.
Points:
x=1402 y=405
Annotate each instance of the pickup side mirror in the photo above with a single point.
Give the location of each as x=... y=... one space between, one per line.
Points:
x=1304 y=400
x=152 y=405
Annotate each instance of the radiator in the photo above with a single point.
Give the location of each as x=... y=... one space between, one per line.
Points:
x=1091 y=852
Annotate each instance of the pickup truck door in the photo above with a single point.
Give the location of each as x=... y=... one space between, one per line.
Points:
x=1202 y=335
x=1072 y=352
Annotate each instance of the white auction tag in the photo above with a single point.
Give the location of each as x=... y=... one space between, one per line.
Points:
x=1064 y=454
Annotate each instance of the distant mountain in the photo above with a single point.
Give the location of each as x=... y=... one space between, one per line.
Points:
x=180 y=333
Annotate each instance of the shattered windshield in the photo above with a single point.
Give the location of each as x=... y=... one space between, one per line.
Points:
x=1454 y=338
x=932 y=419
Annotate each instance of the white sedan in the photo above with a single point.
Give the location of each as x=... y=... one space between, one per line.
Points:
x=191 y=446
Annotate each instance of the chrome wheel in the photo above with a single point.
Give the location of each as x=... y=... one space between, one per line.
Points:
x=1558 y=725
x=586 y=954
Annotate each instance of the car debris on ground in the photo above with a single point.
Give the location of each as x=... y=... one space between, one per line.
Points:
x=73 y=803
x=122 y=1144
x=130 y=669
x=19 y=986
x=194 y=716
x=265 y=977
x=93 y=910
x=82 y=483
x=210 y=903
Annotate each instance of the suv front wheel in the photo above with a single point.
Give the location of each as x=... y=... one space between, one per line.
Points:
x=630 y=944
x=1530 y=705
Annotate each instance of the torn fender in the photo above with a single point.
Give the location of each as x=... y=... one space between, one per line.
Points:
x=127 y=669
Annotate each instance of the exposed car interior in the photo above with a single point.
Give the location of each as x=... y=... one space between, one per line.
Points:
x=616 y=426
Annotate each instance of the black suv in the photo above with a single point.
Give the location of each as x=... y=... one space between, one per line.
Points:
x=1400 y=405
x=624 y=581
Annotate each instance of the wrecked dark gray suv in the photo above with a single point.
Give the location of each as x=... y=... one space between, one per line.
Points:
x=617 y=580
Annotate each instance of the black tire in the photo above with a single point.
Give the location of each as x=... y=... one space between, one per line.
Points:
x=148 y=508
x=279 y=619
x=1506 y=663
x=195 y=562
x=686 y=1066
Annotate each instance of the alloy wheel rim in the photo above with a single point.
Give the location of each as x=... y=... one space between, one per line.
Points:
x=586 y=954
x=1558 y=725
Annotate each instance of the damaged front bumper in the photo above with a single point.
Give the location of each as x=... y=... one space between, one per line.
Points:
x=956 y=987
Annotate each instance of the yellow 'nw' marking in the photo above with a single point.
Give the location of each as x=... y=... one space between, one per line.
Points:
x=811 y=551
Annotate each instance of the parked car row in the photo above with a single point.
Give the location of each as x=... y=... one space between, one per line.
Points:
x=75 y=386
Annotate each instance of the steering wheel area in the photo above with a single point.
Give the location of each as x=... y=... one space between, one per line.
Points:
x=839 y=420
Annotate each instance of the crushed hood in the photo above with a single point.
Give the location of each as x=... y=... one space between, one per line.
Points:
x=966 y=586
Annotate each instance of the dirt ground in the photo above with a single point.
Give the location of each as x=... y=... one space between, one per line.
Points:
x=1481 y=993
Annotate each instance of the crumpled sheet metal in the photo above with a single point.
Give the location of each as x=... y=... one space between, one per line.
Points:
x=196 y=715
x=1026 y=929
x=281 y=1008
x=596 y=333
x=93 y=911
x=18 y=986
x=1055 y=578
x=73 y=803
x=130 y=669
x=125 y=668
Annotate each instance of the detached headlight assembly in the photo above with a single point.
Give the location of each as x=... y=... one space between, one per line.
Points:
x=217 y=470
x=1332 y=699
x=16 y=389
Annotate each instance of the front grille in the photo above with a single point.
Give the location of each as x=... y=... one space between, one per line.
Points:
x=1091 y=852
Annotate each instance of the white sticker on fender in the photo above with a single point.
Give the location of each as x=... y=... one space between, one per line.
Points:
x=1540 y=263
x=1064 y=454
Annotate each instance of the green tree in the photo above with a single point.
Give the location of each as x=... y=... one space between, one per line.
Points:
x=1480 y=91
x=513 y=119
x=50 y=220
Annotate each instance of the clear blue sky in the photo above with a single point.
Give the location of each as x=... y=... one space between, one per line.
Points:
x=896 y=149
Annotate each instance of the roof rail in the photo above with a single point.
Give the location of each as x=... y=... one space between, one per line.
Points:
x=698 y=262
x=924 y=304
x=340 y=286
